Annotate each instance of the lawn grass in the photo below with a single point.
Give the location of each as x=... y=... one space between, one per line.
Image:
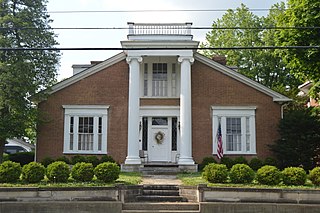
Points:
x=126 y=178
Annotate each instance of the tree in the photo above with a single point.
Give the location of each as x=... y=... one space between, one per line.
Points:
x=263 y=66
x=24 y=24
x=299 y=139
x=304 y=63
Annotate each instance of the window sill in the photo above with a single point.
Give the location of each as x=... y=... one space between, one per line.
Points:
x=85 y=152
x=238 y=153
x=165 y=97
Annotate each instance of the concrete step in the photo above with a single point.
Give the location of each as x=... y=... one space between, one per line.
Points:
x=161 y=192
x=160 y=170
x=157 y=198
x=160 y=187
x=161 y=206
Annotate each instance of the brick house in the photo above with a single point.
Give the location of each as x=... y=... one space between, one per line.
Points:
x=158 y=105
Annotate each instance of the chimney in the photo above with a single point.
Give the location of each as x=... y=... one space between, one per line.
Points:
x=220 y=59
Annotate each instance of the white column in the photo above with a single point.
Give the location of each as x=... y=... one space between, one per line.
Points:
x=133 y=111
x=185 y=112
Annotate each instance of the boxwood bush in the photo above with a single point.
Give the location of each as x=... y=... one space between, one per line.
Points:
x=215 y=173
x=314 y=176
x=294 y=176
x=82 y=172
x=227 y=161
x=107 y=158
x=58 y=171
x=47 y=161
x=107 y=172
x=78 y=159
x=93 y=159
x=255 y=164
x=64 y=159
x=206 y=161
x=240 y=160
x=22 y=157
x=9 y=172
x=268 y=175
x=33 y=172
x=241 y=173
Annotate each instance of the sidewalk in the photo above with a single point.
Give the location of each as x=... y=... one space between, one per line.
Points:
x=160 y=180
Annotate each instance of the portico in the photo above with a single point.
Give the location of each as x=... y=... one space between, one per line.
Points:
x=163 y=132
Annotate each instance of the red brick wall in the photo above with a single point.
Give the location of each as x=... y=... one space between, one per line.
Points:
x=211 y=87
x=107 y=87
x=110 y=87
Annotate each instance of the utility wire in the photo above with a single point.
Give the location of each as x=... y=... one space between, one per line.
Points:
x=160 y=48
x=150 y=11
x=192 y=28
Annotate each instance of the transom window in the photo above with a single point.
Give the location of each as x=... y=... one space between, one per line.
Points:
x=237 y=129
x=160 y=80
x=85 y=129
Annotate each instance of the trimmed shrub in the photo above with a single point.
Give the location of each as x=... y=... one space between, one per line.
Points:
x=58 y=171
x=227 y=161
x=268 y=175
x=294 y=176
x=93 y=159
x=206 y=161
x=314 y=176
x=22 y=157
x=107 y=158
x=240 y=160
x=215 y=173
x=107 y=172
x=64 y=159
x=241 y=173
x=78 y=159
x=255 y=164
x=47 y=161
x=33 y=172
x=82 y=172
x=9 y=172
x=271 y=161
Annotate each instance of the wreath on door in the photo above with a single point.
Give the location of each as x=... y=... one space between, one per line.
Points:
x=159 y=136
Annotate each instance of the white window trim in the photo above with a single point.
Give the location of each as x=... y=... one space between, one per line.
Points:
x=234 y=111
x=77 y=111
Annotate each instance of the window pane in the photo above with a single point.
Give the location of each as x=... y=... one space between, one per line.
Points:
x=159 y=79
x=159 y=121
x=145 y=81
x=247 y=134
x=233 y=134
x=144 y=133
x=174 y=134
x=85 y=133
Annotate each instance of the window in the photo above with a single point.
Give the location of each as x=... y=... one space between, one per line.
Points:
x=85 y=129
x=237 y=129
x=159 y=80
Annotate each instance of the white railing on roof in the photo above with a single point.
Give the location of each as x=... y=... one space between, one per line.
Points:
x=159 y=29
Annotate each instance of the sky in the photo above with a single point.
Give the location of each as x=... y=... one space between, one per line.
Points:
x=112 y=38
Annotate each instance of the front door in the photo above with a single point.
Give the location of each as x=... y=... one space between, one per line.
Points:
x=159 y=146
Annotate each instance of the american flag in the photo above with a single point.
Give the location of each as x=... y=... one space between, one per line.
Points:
x=219 y=142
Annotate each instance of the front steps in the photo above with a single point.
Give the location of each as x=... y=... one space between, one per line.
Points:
x=160 y=198
x=160 y=207
x=160 y=193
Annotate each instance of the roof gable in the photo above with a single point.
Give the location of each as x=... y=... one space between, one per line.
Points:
x=239 y=77
x=90 y=71
x=203 y=59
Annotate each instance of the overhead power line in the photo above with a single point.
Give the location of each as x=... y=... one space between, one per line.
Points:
x=160 y=48
x=192 y=28
x=151 y=11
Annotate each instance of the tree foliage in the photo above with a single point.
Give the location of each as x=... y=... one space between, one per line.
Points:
x=304 y=63
x=263 y=66
x=23 y=73
x=299 y=139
